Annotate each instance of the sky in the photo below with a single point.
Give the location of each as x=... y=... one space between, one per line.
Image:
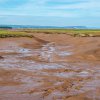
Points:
x=50 y=12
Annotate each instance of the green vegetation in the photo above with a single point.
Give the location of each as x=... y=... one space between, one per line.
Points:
x=73 y=32
x=12 y=33
x=29 y=32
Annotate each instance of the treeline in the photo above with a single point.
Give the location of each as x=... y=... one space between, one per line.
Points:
x=5 y=27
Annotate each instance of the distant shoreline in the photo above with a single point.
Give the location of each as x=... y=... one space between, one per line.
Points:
x=44 y=27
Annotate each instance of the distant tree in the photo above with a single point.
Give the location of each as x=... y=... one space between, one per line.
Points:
x=5 y=27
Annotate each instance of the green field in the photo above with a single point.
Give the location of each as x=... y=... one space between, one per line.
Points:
x=73 y=32
x=11 y=33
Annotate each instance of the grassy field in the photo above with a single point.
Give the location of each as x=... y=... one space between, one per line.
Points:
x=73 y=32
x=12 y=33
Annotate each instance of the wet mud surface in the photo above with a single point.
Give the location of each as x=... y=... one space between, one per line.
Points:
x=64 y=68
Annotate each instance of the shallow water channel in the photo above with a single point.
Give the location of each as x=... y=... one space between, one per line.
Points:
x=38 y=68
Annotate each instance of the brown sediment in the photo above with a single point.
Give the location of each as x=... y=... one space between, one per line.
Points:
x=26 y=75
x=1 y=57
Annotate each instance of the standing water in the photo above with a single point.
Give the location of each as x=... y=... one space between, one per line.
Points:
x=47 y=52
x=50 y=50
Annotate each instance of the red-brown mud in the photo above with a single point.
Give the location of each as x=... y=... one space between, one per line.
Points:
x=50 y=67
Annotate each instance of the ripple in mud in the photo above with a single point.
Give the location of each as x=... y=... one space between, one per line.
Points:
x=65 y=74
x=84 y=74
x=64 y=53
x=50 y=50
x=1 y=57
x=46 y=53
x=48 y=77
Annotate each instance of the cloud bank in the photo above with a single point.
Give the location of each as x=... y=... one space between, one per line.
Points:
x=81 y=9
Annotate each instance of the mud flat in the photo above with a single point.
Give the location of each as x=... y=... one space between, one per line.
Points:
x=50 y=67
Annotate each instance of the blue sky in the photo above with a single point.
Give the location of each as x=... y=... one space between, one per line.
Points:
x=50 y=12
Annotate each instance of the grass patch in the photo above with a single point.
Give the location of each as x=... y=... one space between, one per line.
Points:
x=73 y=32
x=10 y=33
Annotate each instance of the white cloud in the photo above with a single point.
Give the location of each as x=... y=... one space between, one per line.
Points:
x=39 y=8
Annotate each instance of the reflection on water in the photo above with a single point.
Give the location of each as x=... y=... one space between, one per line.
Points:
x=47 y=54
x=50 y=50
x=65 y=74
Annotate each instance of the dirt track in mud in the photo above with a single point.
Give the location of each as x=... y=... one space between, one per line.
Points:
x=50 y=67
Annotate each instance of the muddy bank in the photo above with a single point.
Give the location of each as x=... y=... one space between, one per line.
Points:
x=50 y=67
x=1 y=57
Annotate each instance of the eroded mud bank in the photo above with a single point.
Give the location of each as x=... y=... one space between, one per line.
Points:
x=36 y=70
